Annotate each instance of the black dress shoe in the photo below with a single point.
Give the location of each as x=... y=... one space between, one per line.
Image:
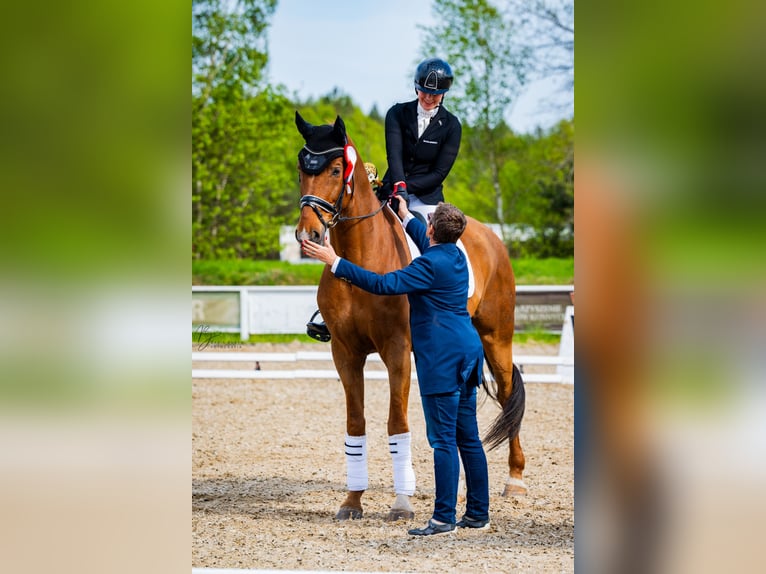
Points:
x=467 y=522
x=432 y=528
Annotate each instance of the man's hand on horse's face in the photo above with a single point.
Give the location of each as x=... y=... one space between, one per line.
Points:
x=324 y=253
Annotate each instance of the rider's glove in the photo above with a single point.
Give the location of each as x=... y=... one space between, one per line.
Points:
x=400 y=192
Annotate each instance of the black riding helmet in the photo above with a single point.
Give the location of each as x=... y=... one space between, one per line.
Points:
x=433 y=76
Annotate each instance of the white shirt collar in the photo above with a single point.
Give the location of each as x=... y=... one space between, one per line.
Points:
x=426 y=113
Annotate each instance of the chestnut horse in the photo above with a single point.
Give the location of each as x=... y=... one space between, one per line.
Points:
x=336 y=196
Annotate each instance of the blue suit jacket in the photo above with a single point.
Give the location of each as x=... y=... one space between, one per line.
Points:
x=447 y=348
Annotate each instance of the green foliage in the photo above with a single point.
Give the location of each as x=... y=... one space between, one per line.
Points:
x=243 y=176
x=228 y=46
x=242 y=187
x=539 y=191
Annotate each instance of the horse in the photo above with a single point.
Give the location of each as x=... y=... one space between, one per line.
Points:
x=337 y=201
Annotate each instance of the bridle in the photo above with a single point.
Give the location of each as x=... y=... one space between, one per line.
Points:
x=317 y=204
x=335 y=210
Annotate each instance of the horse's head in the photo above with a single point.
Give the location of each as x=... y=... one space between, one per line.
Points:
x=326 y=166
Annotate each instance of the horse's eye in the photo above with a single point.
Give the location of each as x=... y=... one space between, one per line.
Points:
x=336 y=172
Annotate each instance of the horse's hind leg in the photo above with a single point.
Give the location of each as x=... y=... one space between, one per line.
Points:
x=500 y=359
x=515 y=485
x=350 y=368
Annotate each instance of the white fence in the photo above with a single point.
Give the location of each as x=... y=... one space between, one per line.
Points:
x=286 y=309
x=253 y=370
x=563 y=362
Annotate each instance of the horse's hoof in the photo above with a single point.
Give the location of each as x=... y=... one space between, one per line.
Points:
x=347 y=512
x=515 y=487
x=399 y=514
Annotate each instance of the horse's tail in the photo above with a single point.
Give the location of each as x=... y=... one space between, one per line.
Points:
x=508 y=423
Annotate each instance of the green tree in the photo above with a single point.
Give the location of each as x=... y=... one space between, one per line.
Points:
x=539 y=183
x=228 y=47
x=242 y=148
x=243 y=166
x=490 y=71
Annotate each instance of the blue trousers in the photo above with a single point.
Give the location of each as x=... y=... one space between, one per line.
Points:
x=451 y=428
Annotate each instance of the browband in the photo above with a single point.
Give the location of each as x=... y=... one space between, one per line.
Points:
x=314 y=162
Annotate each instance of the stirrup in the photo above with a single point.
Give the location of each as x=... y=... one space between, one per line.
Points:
x=317 y=330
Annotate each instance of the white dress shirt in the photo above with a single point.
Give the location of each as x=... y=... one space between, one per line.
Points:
x=424 y=118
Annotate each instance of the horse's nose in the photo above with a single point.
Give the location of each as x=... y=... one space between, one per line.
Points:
x=311 y=235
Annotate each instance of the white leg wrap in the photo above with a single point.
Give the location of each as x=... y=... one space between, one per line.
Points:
x=356 y=462
x=515 y=482
x=399 y=445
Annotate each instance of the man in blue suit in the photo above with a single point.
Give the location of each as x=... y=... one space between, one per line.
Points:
x=449 y=358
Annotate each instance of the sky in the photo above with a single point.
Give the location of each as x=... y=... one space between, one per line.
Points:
x=368 y=49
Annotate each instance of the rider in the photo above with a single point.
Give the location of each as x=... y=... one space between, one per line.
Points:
x=422 y=141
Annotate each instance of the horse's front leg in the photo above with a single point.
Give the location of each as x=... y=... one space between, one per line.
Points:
x=397 y=361
x=351 y=371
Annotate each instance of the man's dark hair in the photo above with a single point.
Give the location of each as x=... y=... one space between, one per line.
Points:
x=448 y=223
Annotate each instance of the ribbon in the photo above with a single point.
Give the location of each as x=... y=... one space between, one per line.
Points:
x=350 y=154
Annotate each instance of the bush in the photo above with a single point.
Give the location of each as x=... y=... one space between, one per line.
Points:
x=543 y=246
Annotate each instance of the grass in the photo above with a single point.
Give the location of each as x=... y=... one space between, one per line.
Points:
x=215 y=338
x=553 y=271
x=246 y=272
x=232 y=339
x=536 y=336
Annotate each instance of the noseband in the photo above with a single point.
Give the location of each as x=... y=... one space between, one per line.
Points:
x=317 y=203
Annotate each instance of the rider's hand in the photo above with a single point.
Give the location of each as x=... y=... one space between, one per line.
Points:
x=399 y=197
x=400 y=186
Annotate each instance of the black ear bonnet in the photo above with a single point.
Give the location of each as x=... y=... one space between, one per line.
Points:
x=323 y=144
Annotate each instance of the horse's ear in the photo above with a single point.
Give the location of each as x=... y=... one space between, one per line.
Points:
x=305 y=128
x=339 y=131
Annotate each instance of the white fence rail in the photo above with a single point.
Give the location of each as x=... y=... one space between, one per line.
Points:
x=255 y=372
x=255 y=310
